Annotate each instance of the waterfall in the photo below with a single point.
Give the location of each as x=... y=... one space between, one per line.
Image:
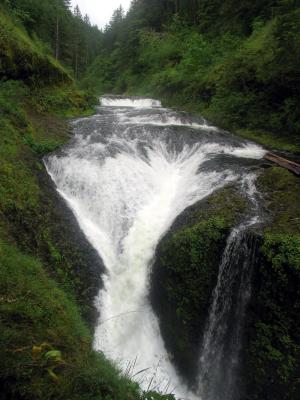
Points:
x=127 y=173
x=222 y=338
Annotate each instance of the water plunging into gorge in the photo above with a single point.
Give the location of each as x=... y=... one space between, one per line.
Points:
x=127 y=173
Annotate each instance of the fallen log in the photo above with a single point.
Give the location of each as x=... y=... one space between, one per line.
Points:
x=283 y=162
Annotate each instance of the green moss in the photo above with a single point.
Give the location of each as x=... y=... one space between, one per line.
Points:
x=281 y=194
x=272 y=348
x=30 y=127
x=65 y=101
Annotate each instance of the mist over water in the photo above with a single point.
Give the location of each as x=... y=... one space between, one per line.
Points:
x=127 y=173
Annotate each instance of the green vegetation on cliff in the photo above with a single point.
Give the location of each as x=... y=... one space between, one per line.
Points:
x=272 y=347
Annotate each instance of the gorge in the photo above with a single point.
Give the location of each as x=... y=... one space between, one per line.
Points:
x=127 y=173
x=146 y=253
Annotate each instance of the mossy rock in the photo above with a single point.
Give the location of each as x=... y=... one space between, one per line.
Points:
x=185 y=272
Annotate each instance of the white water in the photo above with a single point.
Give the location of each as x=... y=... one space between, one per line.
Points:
x=126 y=188
x=167 y=119
x=126 y=102
x=222 y=338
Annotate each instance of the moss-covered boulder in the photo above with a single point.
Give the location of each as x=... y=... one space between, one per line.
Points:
x=185 y=272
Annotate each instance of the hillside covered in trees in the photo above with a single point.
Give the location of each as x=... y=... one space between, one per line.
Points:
x=68 y=36
x=236 y=62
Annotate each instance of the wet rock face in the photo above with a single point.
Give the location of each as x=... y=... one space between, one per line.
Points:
x=83 y=263
x=185 y=272
x=51 y=233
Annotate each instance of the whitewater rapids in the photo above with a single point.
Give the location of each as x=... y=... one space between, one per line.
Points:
x=127 y=173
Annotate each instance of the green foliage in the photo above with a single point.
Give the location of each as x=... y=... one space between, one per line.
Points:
x=282 y=197
x=30 y=129
x=21 y=133
x=14 y=172
x=26 y=58
x=281 y=249
x=273 y=348
x=272 y=342
x=65 y=101
x=270 y=140
x=67 y=37
x=45 y=348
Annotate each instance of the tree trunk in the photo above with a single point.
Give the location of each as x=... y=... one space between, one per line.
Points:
x=283 y=162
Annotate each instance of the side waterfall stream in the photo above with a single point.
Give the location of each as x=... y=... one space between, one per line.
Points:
x=127 y=173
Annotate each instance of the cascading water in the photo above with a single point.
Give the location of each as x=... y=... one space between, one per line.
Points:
x=223 y=335
x=222 y=339
x=127 y=173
